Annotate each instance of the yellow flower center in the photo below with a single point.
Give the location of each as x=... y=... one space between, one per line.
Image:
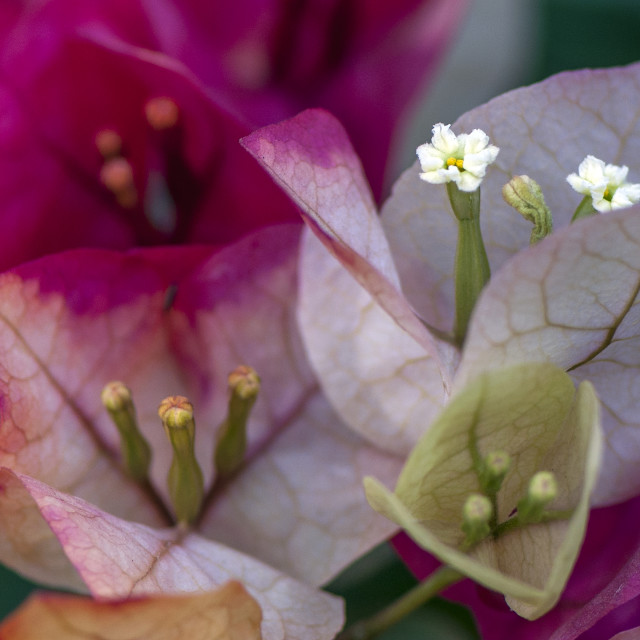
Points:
x=455 y=161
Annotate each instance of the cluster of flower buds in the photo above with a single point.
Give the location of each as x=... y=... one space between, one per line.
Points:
x=185 y=478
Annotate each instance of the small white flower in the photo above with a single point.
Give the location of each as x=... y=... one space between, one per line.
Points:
x=605 y=183
x=461 y=159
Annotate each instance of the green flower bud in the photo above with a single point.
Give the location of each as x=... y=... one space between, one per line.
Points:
x=136 y=453
x=231 y=445
x=185 y=482
x=476 y=516
x=493 y=469
x=542 y=490
x=525 y=196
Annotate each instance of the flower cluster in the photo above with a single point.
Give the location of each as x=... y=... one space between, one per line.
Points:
x=380 y=295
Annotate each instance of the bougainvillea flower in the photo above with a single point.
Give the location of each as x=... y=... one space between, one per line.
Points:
x=533 y=416
x=264 y=61
x=124 y=145
x=378 y=341
x=165 y=322
x=601 y=596
x=229 y=613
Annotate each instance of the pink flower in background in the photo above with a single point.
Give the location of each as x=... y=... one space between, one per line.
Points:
x=167 y=322
x=179 y=83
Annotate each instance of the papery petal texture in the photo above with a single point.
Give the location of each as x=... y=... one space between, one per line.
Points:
x=530 y=412
x=119 y=559
x=170 y=321
x=311 y=158
x=528 y=312
x=228 y=613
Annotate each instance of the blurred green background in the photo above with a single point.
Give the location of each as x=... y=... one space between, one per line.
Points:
x=503 y=44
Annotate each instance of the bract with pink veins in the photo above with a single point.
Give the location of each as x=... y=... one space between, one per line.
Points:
x=165 y=322
x=570 y=300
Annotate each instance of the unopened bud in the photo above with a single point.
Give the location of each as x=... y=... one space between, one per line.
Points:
x=476 y=517
x=109 y=143
x=117 y=175
x=231 y=445
x=161 y=113
x=186 y=485
x=136 y=453
x=541 y=491
x=525 y=196
x=495 y=467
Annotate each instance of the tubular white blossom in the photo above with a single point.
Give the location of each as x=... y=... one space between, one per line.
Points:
x=605 y=183
x=461 y=159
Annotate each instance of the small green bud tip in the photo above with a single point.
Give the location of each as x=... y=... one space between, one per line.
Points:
x=244 y=382
x=476 y=516
x=525 y=196
x=231 y=444
x=185 y=479
x=494 y=469
x=477 y=509
x=116 y=397
x=176 y=412
x=543 y=487
x=136 y=453
x=541 y=491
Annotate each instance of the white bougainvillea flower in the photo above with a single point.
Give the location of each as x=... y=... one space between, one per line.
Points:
x=166 y=322
x=605 y=183
x=570 y=300
x=462 y=159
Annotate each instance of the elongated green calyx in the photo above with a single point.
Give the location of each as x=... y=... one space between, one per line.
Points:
x=585 y=209
x=541 y=491
x=493 y=469
x=136 y=453
x=472 y=270
x=525 y=196
x=185 y=476
x=477 y=513
x=244 y=386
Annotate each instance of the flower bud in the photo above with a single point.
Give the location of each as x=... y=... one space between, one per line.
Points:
x=495 y=467
x=244 y=386
x=541 y=491
x=186 y=485
x=525 y=196
x=136 y=453
x=476 y=516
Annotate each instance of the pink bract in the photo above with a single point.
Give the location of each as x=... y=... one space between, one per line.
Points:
x=176 y=321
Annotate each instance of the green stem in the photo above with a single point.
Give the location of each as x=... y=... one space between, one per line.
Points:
x=585 y=209
x=547 y=516
x=472 y=270
x=410 y=601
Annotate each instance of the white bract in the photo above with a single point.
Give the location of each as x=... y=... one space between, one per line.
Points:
x=605 y=183
x=461 y=159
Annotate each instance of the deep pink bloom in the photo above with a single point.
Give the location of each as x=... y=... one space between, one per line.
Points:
x=70 y=70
